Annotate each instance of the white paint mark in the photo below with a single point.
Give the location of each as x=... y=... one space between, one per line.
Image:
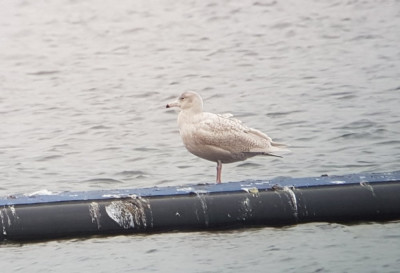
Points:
x=94 y=210
x=262 y=183
x=2 y=223
x=13 y=211
x=246 y=208
x=129 y=213
x=203 y=203
x=253 y=191
x=121 y=213
x=246 y=203
x=8 y=217
x=134 y=196
x=201 y=191
x=293 y=199
x=368 y=187
x=111 y=196
x=187 y=189
x=338 y=182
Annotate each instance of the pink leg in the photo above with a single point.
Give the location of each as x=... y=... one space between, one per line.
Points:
x=219 y=168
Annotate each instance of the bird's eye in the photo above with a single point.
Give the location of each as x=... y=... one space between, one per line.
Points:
x=181 y=98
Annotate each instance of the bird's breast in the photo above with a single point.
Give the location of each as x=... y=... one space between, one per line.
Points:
x=208 y=151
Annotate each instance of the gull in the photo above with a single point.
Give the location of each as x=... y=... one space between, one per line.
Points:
x=219 y=138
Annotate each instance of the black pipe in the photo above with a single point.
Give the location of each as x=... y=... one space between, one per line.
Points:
x=198 y=208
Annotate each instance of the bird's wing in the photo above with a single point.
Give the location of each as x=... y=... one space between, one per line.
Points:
x=230 y=134
x=275 y=146
x=226 y=115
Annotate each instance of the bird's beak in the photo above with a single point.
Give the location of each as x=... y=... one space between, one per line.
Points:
x=173 y=104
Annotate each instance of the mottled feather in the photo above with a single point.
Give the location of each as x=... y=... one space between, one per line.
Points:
x=219 y=138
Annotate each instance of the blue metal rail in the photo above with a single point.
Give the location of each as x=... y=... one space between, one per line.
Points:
x=281 y=201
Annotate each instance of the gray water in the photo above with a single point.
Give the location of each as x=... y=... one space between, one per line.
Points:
x=83 y=88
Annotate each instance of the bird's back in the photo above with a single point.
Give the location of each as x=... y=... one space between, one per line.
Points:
x=221 y=137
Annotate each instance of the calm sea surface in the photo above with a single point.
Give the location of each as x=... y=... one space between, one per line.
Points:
x=83 y=89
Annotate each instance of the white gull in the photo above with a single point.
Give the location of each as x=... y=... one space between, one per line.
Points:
x=219 y=138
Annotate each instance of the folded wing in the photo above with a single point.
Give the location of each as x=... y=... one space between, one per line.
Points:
x=228 y=133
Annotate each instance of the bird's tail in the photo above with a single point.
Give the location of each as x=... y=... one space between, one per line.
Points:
x=274 y=150
x=270 y=154
x=279 y=147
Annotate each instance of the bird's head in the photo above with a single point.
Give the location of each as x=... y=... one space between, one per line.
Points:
x=189 y=100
